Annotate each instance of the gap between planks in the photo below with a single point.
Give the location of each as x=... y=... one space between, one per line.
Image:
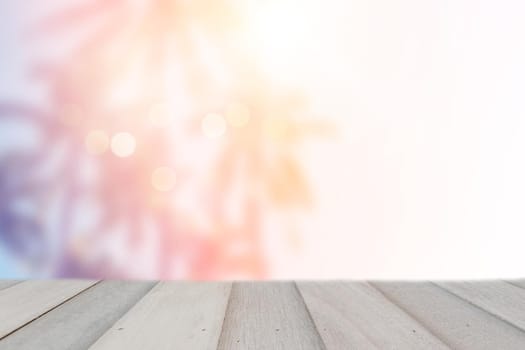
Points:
x=25 y=302
x=356 y=315
x=265 y=315
x=180 y=315
x=501 y=299
x=454 y=320
x=80 y=321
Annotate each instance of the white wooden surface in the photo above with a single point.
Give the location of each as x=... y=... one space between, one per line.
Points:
x=91 y=313
x=7 y=283
x=499 y=298
x=268 y=316
x=172 y=315
x=457 y=322
x=357 y=315
x=24 y=302
x=75 y=314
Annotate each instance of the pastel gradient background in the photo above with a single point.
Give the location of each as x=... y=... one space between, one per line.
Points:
x=262 y=139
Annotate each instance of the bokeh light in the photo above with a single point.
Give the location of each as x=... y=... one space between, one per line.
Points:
x=276 y=128
x=238 y=115
x=163 y=179
x=97 y=142
x=213 y=125
x=422 y=175
x=175 y=90
x=123 y=144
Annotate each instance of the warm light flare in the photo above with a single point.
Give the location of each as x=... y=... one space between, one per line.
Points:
x=97 y=142
x=161 y=115
x=238 y=115
x=163 y=179
x=276 y=128
x=213 y=125
x=183 y=105
x=280 y=34
x=123 y=144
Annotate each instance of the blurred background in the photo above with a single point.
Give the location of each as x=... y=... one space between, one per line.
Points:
x=214 y=139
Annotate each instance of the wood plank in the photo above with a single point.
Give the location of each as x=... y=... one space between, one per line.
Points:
x=356 y=315
x=501 y=299
x=79 y=322
x=268 y=316
x=7 y=283
x=518 y=283
x=173 y=315
x=458 y=323
x=23 y=302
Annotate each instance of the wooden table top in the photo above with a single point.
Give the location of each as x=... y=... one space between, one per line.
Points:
x=82 y=314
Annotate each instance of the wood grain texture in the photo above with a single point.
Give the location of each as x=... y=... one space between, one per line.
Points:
x=7 y=283
x=173 y=315
x=23 y=302
x=79 y=322
x=518 y=283
x=457 y=322
x=268 y=316
x=499 y=298
x=74 y=314
x=356 y=315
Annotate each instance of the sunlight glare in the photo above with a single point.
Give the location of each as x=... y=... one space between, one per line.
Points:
x=280 y=34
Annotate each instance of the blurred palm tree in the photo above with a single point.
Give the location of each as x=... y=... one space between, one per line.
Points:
x=144 y=54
